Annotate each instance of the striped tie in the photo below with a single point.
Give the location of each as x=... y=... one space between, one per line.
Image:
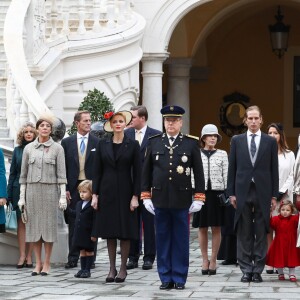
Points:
x=253 y=145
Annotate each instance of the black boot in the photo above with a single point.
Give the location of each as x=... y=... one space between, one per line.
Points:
x=87 y=272
x=83 y=261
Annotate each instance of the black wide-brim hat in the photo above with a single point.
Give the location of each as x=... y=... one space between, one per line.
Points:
x=128 y=117
x=172 y=111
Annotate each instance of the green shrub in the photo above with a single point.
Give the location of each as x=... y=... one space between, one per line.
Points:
x=97 y=104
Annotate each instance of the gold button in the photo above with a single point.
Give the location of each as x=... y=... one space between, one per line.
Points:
x=170 y=164
x=170 y=178
x=171 y=156
x=170 y=171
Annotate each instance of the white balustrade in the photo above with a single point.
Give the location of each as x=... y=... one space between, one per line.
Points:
x=111 y=14
x=24 y=117
x=65 y=17
x=81 y=13
x=96 y=24
x=54 y=15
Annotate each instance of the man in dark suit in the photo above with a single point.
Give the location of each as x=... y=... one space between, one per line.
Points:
x=80 y=150
x=252 y=185
x=166 y=180
x=141 y=132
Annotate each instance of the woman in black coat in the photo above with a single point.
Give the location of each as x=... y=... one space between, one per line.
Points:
x=116 y=186
x=26 y=134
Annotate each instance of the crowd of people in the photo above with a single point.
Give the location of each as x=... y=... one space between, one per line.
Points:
x=139 y=185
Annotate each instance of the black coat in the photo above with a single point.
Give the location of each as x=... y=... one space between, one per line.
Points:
x=72 y=162
x=83 y=226
x=116 y=180
x=264 y=172
x=169 y=175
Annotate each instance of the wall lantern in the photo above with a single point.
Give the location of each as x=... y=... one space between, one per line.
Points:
x=279 y=34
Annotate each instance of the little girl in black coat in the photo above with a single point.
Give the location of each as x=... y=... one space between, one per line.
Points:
x=84 y=222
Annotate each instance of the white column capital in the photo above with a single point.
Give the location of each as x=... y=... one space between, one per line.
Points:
x=155 y=57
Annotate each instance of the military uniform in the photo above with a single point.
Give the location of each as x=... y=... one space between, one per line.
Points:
x=166 y=180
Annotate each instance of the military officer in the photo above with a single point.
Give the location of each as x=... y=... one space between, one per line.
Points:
x=167 y=193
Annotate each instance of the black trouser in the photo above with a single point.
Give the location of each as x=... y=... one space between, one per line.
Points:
x=252 y=235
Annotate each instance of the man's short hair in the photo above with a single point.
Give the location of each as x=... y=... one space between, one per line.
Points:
x=77 y=116
x=142 y=111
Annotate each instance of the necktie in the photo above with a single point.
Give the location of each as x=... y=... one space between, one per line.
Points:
x=171 y=140
x=138 y=136
x=253 y=145
x=82 y=144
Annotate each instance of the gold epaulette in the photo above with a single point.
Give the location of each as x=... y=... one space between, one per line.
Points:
x=153 y=136
x=192 y=136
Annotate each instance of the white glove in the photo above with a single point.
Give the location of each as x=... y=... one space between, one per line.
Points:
x=62 y=204
x=22 y=202
x=149 y=206
x=196 y=206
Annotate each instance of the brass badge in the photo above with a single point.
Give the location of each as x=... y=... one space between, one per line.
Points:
x=180 y=169
x=188 y=171
x=184 y=159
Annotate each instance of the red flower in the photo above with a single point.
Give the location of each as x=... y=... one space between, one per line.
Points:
x=108 y=115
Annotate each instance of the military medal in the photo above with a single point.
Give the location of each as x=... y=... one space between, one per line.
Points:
x=180 y=169
x=171 y=149
x=188 y=171
x=184 y=159
x=157 y=157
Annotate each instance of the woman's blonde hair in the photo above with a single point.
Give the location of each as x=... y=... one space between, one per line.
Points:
x=20 y=134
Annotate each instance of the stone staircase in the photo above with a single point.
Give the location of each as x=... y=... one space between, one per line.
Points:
x=5 y=140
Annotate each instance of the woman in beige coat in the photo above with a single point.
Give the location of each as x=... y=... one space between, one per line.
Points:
x=42 y=179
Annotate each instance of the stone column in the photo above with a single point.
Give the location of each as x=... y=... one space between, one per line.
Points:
x=152 y=72
x=178 y=87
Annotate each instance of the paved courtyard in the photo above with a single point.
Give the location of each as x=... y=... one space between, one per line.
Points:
x=140 y=284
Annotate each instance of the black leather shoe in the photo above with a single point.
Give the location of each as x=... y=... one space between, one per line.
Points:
x=179 y=286
x=166 y=286
x=147 y=265
x=256 y=277
x=131 y=265
x=247 y=277
x=71 y=264
x=212 y=271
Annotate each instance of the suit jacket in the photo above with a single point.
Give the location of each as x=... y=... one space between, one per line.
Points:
x=264 y=172
x=168 y=174
x=130 y=132
x=72 y=160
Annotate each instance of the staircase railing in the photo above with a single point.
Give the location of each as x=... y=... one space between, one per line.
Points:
x=32 y=28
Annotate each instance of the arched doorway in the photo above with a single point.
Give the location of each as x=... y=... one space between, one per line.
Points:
x=225 y=47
